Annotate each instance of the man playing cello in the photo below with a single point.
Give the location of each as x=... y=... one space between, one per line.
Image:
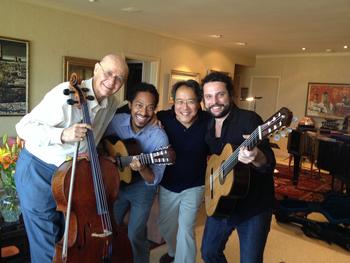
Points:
x=49 y=132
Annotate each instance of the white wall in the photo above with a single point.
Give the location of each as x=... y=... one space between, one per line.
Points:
x=54 y=34
x=296 y=71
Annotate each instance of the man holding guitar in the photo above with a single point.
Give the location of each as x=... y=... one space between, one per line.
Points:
x=248 y=210
x=139 y=194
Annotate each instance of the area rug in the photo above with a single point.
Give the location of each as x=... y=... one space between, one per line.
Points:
x=311 y=185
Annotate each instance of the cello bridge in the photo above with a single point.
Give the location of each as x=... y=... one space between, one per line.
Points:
x=105 y=233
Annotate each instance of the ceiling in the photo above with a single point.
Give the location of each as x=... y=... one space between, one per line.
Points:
x=266 y=26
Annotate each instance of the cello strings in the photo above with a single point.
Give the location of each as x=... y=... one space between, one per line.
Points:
x=101 y=199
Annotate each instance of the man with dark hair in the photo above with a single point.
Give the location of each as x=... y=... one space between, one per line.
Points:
x=251 y=215
x=139 y=195
x=182 y=187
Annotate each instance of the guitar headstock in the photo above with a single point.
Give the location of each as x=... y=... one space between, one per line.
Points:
x=165 y=155
x=278 y=121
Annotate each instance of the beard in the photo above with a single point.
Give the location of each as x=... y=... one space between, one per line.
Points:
x=223 y=113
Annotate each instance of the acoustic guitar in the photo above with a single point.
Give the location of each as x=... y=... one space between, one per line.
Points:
x=125 y=150
x=225 y=181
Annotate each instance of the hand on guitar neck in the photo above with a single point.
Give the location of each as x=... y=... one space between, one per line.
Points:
x=128 y=157
x=143 y=169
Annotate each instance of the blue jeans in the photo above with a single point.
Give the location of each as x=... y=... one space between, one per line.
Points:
x=139 y=198
x=44 y=225
x=252 y=234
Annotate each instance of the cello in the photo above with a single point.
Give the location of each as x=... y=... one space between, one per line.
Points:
x=85 y=190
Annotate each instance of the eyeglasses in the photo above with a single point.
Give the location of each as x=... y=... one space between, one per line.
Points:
x=189 y=102
x=109 y=75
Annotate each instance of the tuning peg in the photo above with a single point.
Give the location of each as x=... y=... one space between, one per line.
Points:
x=276 y=136
x=85 y=89
x=289 y=129
x=71 y=102
x=283 y=132
x=294 y=119
x=68 y=91
x=90 y=97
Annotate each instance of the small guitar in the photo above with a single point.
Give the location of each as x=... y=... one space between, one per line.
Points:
x=225 y=180
x=125 y=150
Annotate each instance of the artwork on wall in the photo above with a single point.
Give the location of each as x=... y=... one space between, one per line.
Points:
x=176 y=76
x=328 y=100
x=83 y=67
x=222 y=72
x=14 y=60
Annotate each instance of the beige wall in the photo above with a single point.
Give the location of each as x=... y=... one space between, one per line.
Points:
x=295 y=71
x=54 y=34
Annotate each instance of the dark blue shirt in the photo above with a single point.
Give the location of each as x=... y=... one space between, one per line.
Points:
x=191 y=151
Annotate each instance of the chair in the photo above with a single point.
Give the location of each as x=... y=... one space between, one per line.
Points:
x=13 y=242
x=301 y=145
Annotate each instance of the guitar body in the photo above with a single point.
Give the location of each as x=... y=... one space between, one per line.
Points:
x=222 y=187
x=123 y=148
x=226 y=179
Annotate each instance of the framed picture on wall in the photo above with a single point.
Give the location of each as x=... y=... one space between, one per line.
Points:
x=222 y=72
x=177 y=75
x=328 y=100
x=14 y=60
x=83 y=67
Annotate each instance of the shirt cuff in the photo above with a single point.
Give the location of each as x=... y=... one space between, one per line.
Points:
x=56 y=136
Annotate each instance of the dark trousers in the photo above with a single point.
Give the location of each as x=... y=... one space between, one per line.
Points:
x=252 y=234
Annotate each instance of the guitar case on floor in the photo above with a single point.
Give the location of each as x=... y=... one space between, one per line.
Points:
x=335 y=207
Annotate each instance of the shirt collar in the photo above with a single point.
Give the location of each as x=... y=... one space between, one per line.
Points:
x=126 y=122
x=94 y=103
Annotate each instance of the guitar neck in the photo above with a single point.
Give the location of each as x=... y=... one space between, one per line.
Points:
x=250 y=143
x=145 y=158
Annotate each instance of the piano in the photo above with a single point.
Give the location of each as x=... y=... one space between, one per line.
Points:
x=330 y=152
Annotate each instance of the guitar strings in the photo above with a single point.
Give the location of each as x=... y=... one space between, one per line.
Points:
x=232 y=160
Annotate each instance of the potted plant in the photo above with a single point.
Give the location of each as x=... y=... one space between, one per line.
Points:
x=9 y=204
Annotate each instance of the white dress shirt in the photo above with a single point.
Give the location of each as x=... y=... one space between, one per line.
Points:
x=41 y=129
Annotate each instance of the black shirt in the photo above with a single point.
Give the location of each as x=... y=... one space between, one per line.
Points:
x=261 y=190
x=190 y=148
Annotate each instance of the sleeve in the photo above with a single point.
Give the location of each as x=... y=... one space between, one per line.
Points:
x=161 y=140
x=113 y=128
x=45 y=123
x=110 y=128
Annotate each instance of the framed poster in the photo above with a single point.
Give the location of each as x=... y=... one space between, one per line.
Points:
x=328 y=100
x=14 y=60
x=176 y=76
x=83 y=67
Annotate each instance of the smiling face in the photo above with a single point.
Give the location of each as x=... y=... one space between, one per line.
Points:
x=186 y=106
x=142 y=110
x=109 y=76
x=216 y=99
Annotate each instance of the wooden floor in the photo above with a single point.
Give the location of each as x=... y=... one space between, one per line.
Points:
x=286 y=244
